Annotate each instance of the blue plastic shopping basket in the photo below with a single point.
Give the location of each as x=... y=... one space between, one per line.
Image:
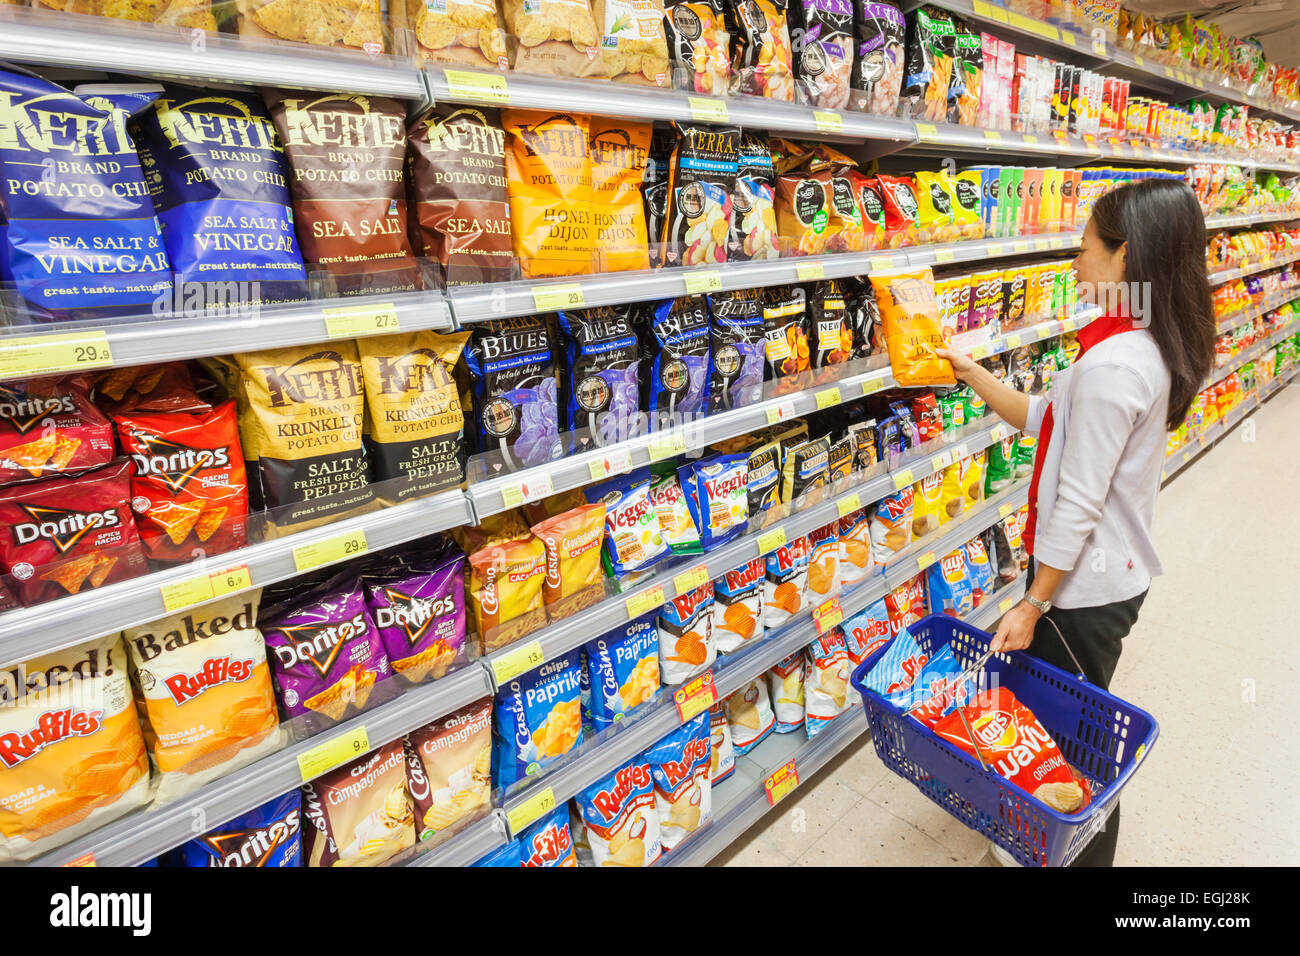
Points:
x=1102 y=736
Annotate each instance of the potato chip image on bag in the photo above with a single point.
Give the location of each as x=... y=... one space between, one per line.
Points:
x=622 y=671
x=574 y=578
x=208 y=703
x=338 y=23
x=505 y=590
x=785 y=683
x=856 y=562
x=700 y=44
x=864 y=634
x=827 y=691
x=761 y=61
x=679 y=766
x=738 y=606
x=469 y=32
x=49 y=427
x=686 y=645
x=722 y=757
x=927 y=495
x=824 y=562
x=72 y=756
x=361 y=813
x=537 y=718
x=906 y=604
x=620 y=818
x=716 y=495
x=749 y=716
x=548 y=181
x=448 y=769
x=556 y=37
x=891 y=525
x=702 y=178
x=785 y=581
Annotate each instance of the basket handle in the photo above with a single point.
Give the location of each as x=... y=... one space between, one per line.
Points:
x=1078 y=667
x=971 y=734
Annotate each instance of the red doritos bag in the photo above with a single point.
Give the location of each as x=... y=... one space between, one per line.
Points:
x=1016 y=745
x=60 y=535
x=148 y=388
x=189 y=489
x=49 y=426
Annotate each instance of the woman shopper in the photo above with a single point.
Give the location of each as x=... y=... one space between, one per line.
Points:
x=1101 y=433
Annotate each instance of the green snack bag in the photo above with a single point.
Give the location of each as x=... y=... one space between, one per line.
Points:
x=675 y=523
x=972 y=405
x=953 y=408
x=1026 y=448
x=1002 y=466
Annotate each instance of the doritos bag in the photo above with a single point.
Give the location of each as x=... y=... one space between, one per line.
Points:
x=72 y=756
x=448 y=768
x=166 y=387
x=49 y=427
x=621 y=821
x=548 y=179
x=64 y=533
x=418 y=607
x=188 y=485
x=679 y=767
x=205 y=686
x=361 y=813
x=910 y=318
x=269 y=835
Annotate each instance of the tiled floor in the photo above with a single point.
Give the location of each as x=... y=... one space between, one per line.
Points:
x=1215 y=657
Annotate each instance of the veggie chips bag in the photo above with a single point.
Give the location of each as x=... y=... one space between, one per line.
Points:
x=548 y=179
x=912 y=328
x=698 y=223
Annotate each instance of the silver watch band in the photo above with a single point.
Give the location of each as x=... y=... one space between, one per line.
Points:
x=1043 y=606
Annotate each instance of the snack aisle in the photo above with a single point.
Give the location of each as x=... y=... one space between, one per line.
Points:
x=392 y=520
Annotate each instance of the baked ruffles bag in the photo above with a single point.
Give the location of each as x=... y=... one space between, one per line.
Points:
x=220 y=183
x=78 y=235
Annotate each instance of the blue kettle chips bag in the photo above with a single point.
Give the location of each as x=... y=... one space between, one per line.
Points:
x=78 y=235
x=516 y=400
x=220 y=183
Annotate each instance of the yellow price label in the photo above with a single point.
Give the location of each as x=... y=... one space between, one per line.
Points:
x=1013 y=341
x=879 y=264
x=338 y=548
x=923 y=561
x=1020 y=248
x=809 y=271
x=873 y=385
x=353 y=323
x=902 y=479
x=828 y=614
x=1163 y=475
x=531 y=810
x=516 y=661
x=667 y=446
x=691 y=578
x=979 y=352
x=781 y=782
x=996 y=433
x=943 y=255
x=1187 y=456
x=771 y=540
x=1069 y=325
x=699 y=281
x=780 y=413
x=706 y=109
x=1005 y=604
x=828 y=122
x=487 y=88
x=993 y=136
x=46 y=354
x=615 y=463
x=695 y=697
x=848 y=505
x=828 y=397
x=997 y=249
x=1029 y=139
x=939 y=463
x=529 y=489
x=1022 y=22
x=1137 y=58
x=332 y=753
x=647 y=600
x=231 y=580
x=1068 y=38
x=186 y=593
x=565 y=295
x=1005 y=510
x=1099 y=46
x=924 y=132
x=960 y=451
x=1169 y=72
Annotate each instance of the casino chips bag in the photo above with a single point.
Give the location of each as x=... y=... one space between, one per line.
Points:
x=827 y=692
x=66 y=534
x=516 y=407
x=505 y=590
x=622 y=671
x=269 y=835
x=749 y=716
x=785 y=683
x=738 y=606
x=448 y=768
x=679 y=767
x=620 y=820
x=206 y=699
x=49 y=427
x=418 y=607
x=57 y=228
x=676 y=360
x=72 y=756
x=360 y=814
x=548 y=181
x=415 y=427
x=574 y=578
x=739 y=349
x=686 y=645
x=189 y=488
x=785 y=581
x=538 y=717
x=603 y=369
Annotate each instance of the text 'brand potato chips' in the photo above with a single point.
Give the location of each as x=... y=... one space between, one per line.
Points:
x=449 y=765
x=361 y=813
x=619 y=151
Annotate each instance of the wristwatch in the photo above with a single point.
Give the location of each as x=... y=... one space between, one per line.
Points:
x=1043 y=606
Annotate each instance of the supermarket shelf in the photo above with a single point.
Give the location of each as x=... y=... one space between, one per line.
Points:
x=28 y=632
x=463 y=848
x=144 y=834
x=1250 y=268
x=1250 y=219
x=55 y=38
x=165 y=339
x=1245 y=316
x=1252 y=352
x=978 y=250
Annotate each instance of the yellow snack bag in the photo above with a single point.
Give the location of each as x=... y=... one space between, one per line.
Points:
x=633 y=42
x=493 y=529
x=619 y=150
x=505 y=590
x=966 y=188
x=572 y=541
x=910 y=318
x=952 y=499
x=926 y=495
x=934 y=219
x=972 y=479
x=535 y=512
x=548 y=183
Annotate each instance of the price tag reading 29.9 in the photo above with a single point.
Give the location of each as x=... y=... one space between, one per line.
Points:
x=331 y=550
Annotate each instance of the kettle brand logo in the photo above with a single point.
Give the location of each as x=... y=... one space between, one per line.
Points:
x=27 y=126
x=304 y=383
x=61 y=527
x=233 y=125
x=420 y=370
x=23 y=412
x=172 y=463
x=345 y=121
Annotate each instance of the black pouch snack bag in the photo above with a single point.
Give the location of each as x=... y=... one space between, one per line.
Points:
x=863 y=435
x=763 y=484
x=878 y=66
x=456 y=184
x=785 y=327
x=736 y=320
x=929 y=65
x=908 y=431
x=823 y=61
x=516 y=396
x=830 y=325
x=602 y=387
x=654 y=188
x=839 y=458
x=754 y=207
x=219 y=180
x=698 y=223
x=864 y=316
x=804 y=472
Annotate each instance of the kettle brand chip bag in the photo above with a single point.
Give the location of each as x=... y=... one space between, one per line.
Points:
x=48 y=427
x=456 y=189
x=220 y=182
x=548 y=180
x=414 y=426
x=301 y=418
x=78 y=235
x=619 y=151
x=912 y=328
x=347 y=155
x=515 y=395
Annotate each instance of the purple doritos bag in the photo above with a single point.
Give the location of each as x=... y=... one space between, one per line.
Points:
x=327 y=651
x=419 y=611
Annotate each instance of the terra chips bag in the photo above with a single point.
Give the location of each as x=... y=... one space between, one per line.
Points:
x=912 y=329
x=208 y=705
x=414 y=424
x=739 y=346
x=448 y=768
x=78 y=236
x=619 y=816
x=754 y=202
x=686 y=645
x=72 y=756
x=48 y=427
x=419 y=612
x=699 y=44
x=622 y=671
x=62 y=534
x=619 y=151
x=702 y=173
x=761 y=57
x=361 y=813
x=516 y=407
x=738 y=606
x=679 y=765
x=548 y=180
x=538 y=718
x=456 y=190
x=189 y=489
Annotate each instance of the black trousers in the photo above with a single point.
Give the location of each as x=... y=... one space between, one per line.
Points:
x=1096 y=636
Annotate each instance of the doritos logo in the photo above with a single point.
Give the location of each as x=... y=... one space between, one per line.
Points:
x=317 y=645
x=51 y=727
x=24 y=412
x=412 y=614
x=252 y=847
x=216 y=671
x=695 y=752
x=61 y=527
x=173 y=464
x=549 y=846
x=626 y=781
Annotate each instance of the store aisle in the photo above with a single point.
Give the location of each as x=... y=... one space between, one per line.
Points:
x=1214 y=656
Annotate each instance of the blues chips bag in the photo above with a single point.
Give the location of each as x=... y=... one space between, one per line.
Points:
x=78 y=236
x=677 y=345
x=515 y=395
x=267 y=836
x=603 y=367
x=538 y=717
x=622 y=671
x=739 y=347
x=219 y=181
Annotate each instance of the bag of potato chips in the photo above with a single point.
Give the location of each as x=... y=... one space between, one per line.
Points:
x=785 y=581
x=538 y=718
x=679 y=765
x=891 y=525
x=516 y=398
x=912 y=329
x=749 y=716
x=633 y=541
x=824 y=562
x=632 y=41
x=448 y=768
x=361 y=813
x=926 y=496
x=785 y=683
x=699 y=219
x=722 y=756
x=676 y=526
x=826 y=689
x=785 y=327
x=686 y=645
x=505 y=590
x=556 y=37
x=762 y=60
x=700 y=44
x=49 y=427
x=574 y=579
x=621 y=822
x=738 y=606
x=619 y=151
x=337 y=23
x=471 y=32
x=622 y=670
x=855 y=547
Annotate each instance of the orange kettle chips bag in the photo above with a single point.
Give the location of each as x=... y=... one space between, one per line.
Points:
x=910 y=317
x=548 y=181
x=619 y=151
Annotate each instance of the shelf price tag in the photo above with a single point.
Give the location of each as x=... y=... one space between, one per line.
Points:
x=703 y=280
x=780 y=782
x=529 y=489
x=925 y=132
x=1029 y=139
x=1020 y=248
x=780 y=413
x=771 y=540
x=648 y=600
x=338 y=750
x=902 y=479
x=960 y=451
x=809 y=271
x=615 y=463
x=1013 y=341
x=939 y=462
x=848 y=505
x=1004 y=510
x=353 y=323
x=516 y=661
x=691 y=578
x=923 y=561
x=943 y=255
x=992 y=136
x=489 y=88
x=86 y=859
x=828 y=122
x=531 y=810
x=231 y=580
x=1099 y=46
x=1022 y=22
x=1005 y=604
x=45 y=354
x=667 y=446
x=186 y=593
x=338 y=548
x=695 y=697
x=828 y=397
x=873 y=385
x=565 y=295
x=1068 y=38
x=996 y=433
x=706 y=109
x=997 y=249
x=828 y=614
x=979 y=352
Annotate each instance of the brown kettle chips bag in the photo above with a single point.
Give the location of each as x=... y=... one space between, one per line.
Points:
x=632 y=41
x=471 y=32
x=548 y=173
x=619 y=150
x=912 y=328
x=457 y=191
x=556 y=37
x=414 y=427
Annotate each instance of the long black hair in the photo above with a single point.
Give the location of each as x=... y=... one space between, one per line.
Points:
x=1165 y=230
